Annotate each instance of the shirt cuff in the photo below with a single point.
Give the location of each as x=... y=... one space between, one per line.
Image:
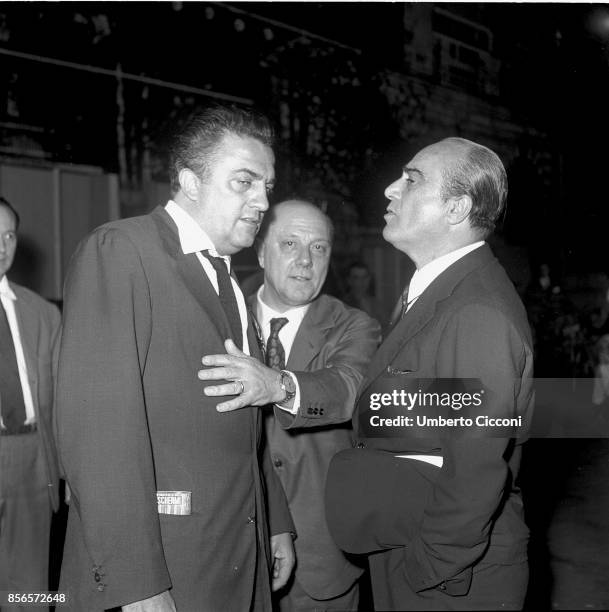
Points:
x=294 y=409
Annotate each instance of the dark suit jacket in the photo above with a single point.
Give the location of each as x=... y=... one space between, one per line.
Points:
x=133 y=420
x=39 y=325
x=331 y=350
x=469 y=323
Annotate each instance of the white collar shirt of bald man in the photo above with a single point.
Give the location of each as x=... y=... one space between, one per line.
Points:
x=287 y=334
x=193 y=239
x=423 y=277
x=9 y=299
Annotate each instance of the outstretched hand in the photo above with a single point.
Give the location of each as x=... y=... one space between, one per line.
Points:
x=253 y=383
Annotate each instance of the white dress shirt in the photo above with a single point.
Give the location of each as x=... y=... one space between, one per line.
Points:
x=420 y=280
x=193 y=239
x=423 y=277
x=286 y=335
x=8 y=297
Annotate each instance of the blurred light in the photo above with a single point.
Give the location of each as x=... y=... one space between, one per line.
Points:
x=268 y=34
x=598 y=22
x=209 y=12
x=176 y=6
x=239 y=25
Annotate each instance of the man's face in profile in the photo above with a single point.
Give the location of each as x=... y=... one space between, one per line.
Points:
x=415 y=216
x=295 y=256
x=233 y=194
x=8 y=239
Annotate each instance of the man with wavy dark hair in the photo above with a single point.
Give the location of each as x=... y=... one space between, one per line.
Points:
x=169 y=507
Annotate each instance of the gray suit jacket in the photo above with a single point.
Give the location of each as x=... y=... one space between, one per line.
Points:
x=133 y=419
x=39 y=325
x=330 y=353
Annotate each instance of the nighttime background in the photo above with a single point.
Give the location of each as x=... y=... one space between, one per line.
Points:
x=90 y=91
x=355 y=89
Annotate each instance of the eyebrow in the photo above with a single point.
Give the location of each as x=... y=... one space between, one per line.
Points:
x=407 y=170
x=256 y=176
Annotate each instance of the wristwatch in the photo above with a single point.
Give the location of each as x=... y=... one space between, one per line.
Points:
x=286 y=382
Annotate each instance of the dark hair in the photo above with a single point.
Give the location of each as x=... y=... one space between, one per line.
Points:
x=271 y=215
x=195 y=144
x=4 y=202
x=480 y=175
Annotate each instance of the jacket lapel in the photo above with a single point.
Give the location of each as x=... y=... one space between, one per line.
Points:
x=311 y=335
x=190 y=271
x=424 y=309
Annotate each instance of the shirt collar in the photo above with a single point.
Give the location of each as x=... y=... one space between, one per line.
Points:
x=5 y=289
x=193 y=238
x=423 y=277
x=294 y=315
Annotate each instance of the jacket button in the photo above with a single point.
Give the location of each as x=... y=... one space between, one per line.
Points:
x=100 y=587
x=360 y=445
x=251 y=520
x=97 y=577
x=277 y=463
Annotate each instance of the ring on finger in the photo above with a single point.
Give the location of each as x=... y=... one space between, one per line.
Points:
x=240 y=382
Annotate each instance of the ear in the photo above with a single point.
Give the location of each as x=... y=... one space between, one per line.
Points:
x=189 y=183
x=261 y=255
x=458 y=209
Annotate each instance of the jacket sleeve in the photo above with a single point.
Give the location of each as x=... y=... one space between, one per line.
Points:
x=478 y=342
x=327 y=395
x=102 y=426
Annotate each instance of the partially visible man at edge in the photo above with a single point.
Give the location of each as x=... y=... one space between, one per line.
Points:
x=318 y=348
x=168 y=505
x=442 y=512
x=29 y=341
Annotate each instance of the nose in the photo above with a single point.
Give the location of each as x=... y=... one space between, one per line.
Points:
x=304 y=256
x=260 y=201
x=393 y=191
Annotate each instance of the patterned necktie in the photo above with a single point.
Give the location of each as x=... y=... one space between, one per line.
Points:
x=11 y=393
x=226 y=293
x=275 y=354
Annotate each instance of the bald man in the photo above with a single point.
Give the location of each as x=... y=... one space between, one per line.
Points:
x=317 y=349
x=440 y=508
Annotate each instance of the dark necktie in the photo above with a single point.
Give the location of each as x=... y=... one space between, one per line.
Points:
x=275 y=353
x=11 y=393
x=227 y=297
x=400 y=308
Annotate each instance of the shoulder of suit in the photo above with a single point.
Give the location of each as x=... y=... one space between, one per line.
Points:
x=339 y=311
x=488 y=289
x=138 y=231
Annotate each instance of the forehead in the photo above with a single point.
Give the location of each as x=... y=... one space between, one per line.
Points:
x=433 y=160
x=7 y=218
x=301 y=221
x=244 y=152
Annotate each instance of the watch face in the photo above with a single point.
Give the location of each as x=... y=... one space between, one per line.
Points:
x=288 y=383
